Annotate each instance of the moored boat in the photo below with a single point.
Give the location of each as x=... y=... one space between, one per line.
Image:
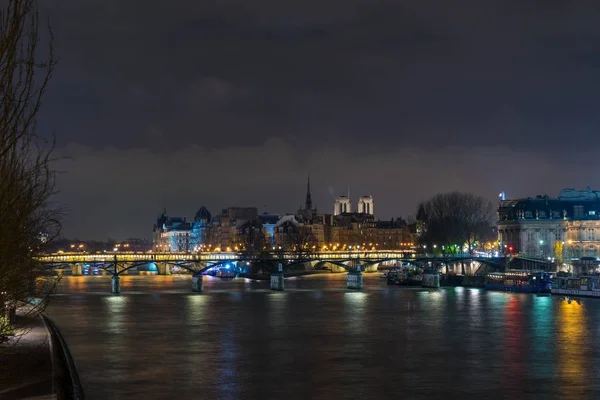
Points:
x=519 y=281
x=404 y=278
x=581 y=286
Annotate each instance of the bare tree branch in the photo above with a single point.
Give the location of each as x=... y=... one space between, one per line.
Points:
x=454 y=220
x=28 y=220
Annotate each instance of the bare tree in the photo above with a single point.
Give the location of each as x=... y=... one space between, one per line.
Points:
x=182 y=242
x=454 y=220
x=252 y=238
x=300 y=240
x=28 y=220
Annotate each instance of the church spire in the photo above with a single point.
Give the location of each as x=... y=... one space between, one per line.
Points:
x=308 y=205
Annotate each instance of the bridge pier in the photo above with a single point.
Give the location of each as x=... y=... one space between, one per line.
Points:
x=277 y=279
x=163 y=268
x=197 y=283
x=76 y=269
x=115 y=284
x=355 y=279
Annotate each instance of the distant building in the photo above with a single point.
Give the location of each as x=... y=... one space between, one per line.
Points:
x=365 y=205
x=269 y=221
x=199 y=235
x=171 y=233
x=342 y=205
x=225 y=231
x=236 y=229
x=562 y=228
x=136 y=245
x=344 y=229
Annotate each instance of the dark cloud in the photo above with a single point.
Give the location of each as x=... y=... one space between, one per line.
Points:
x=119 y=192
x=147 y=87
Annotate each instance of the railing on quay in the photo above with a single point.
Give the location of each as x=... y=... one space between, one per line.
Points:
x=67 y=384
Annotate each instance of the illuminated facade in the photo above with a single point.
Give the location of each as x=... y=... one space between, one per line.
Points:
x=344 y=229
x=233 y=227
x=342 y=205
x=225 y=231
x=365 y=205
x=171 y=233
x=561 y=228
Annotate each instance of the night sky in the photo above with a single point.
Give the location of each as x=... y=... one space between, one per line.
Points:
x=180 y=104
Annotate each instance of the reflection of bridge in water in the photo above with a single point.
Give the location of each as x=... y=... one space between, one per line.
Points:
x=277 y=264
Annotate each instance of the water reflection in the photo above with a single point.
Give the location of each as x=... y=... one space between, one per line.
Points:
x=433 y=303
x=475 y=320
x=321 y=341
x=475 y=309
x=277 y=310
x=573 y=343
x=460 y=296
x=115 y=309
x=542 y=323
x=515 y=352
x=227 y=379
x=355 y=305
x=196 y=307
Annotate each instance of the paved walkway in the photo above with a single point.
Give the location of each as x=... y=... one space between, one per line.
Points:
x=26 y=363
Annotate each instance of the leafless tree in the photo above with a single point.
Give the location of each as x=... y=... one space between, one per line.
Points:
x=455 y=220
x=181 y=242
x=301 y=240
x=28 y=220
x=251 y=237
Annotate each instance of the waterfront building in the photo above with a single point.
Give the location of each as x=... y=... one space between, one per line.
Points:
x=201 y=229
x=344 y=229
x=269 y=221
x=171 y=233
x=227 y=231
x=562 y=228
x=242 y=228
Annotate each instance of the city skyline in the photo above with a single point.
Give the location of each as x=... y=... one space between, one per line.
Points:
x=401 y=100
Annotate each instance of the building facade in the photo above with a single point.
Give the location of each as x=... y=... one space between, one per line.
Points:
x=240 y=228
x=559 y=228
x=344 y=229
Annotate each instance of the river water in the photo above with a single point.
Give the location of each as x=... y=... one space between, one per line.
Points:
x=317 y=340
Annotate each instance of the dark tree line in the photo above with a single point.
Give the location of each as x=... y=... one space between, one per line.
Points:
x=453 y=220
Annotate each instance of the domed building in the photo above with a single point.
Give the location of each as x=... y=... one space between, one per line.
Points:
x=201 y=229
x=203 y=215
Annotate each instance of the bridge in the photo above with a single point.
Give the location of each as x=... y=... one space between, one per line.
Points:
x=276 y=263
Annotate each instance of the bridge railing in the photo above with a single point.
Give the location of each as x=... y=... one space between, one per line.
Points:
x=109 y=257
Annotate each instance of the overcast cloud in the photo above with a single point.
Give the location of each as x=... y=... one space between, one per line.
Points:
x=235 y=102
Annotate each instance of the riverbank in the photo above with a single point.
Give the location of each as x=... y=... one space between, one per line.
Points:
x=36 y=363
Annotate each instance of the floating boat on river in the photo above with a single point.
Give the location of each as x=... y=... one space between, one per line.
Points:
x=581 y=286
x=519 y=281
x=404 y=278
